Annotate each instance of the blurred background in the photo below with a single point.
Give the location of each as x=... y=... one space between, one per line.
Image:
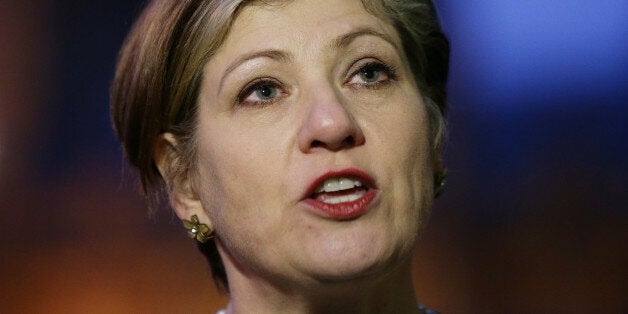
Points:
x=534 y=218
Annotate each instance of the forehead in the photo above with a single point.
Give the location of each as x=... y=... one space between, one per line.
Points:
x=269 y=23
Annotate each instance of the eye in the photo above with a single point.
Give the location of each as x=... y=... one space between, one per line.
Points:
x=372 y=74
x=260 y=92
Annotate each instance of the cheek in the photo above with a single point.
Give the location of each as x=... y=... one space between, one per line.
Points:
x=238 y=183
x=403 y=135
x=416 y=156
x=408 y=160
x=239 y=194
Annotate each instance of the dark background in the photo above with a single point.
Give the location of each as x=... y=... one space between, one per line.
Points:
x=534 y=218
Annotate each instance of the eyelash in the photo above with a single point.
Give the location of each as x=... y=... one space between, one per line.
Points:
x=248 y=90
x=256 y=85
x=389 y=71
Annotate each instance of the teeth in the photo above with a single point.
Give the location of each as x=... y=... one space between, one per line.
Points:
x=338 y=184
x=342 y=199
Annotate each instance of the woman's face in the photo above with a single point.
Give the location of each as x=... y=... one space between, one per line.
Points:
x=302 y=99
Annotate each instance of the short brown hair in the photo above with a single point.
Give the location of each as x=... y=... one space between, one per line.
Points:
x=160 y=66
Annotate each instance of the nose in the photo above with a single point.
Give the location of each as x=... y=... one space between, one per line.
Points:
x=328 y=124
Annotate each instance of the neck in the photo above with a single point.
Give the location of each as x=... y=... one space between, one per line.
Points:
x=392 y=292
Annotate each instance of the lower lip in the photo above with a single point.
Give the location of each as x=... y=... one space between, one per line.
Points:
x=343 y=211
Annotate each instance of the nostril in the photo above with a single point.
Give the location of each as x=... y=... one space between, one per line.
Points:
x=317 y=143
x=348 y=142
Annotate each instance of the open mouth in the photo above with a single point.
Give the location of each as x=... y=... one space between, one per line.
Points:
x=339 y=190
x=341 y=195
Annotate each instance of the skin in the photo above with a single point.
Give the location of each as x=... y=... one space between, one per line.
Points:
x=257 y=155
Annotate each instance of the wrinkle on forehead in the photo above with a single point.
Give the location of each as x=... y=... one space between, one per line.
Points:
x=344 y=22
x=265 y=25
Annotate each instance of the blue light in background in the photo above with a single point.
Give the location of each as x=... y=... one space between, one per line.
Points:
x=532 y=53
x=538 y=98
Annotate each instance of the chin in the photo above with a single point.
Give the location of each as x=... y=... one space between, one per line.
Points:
x=345 y=259
x=352 y=270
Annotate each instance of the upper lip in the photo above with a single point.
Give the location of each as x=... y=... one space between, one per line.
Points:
x=356 y=173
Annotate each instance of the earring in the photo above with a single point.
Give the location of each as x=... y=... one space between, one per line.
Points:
x=439 y=182
x=196 y=230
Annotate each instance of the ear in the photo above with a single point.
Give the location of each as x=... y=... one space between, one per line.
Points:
x=440 y=173
x=176 y=173
x=437 y=163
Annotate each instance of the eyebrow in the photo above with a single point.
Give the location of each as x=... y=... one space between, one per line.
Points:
x=271 y=54
x=340 y=42
x=346 y=39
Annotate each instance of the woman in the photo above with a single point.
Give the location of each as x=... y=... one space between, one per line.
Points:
x=298 y=141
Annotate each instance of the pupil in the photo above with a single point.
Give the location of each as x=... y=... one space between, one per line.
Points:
x=369 y=74
x=265 y=91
